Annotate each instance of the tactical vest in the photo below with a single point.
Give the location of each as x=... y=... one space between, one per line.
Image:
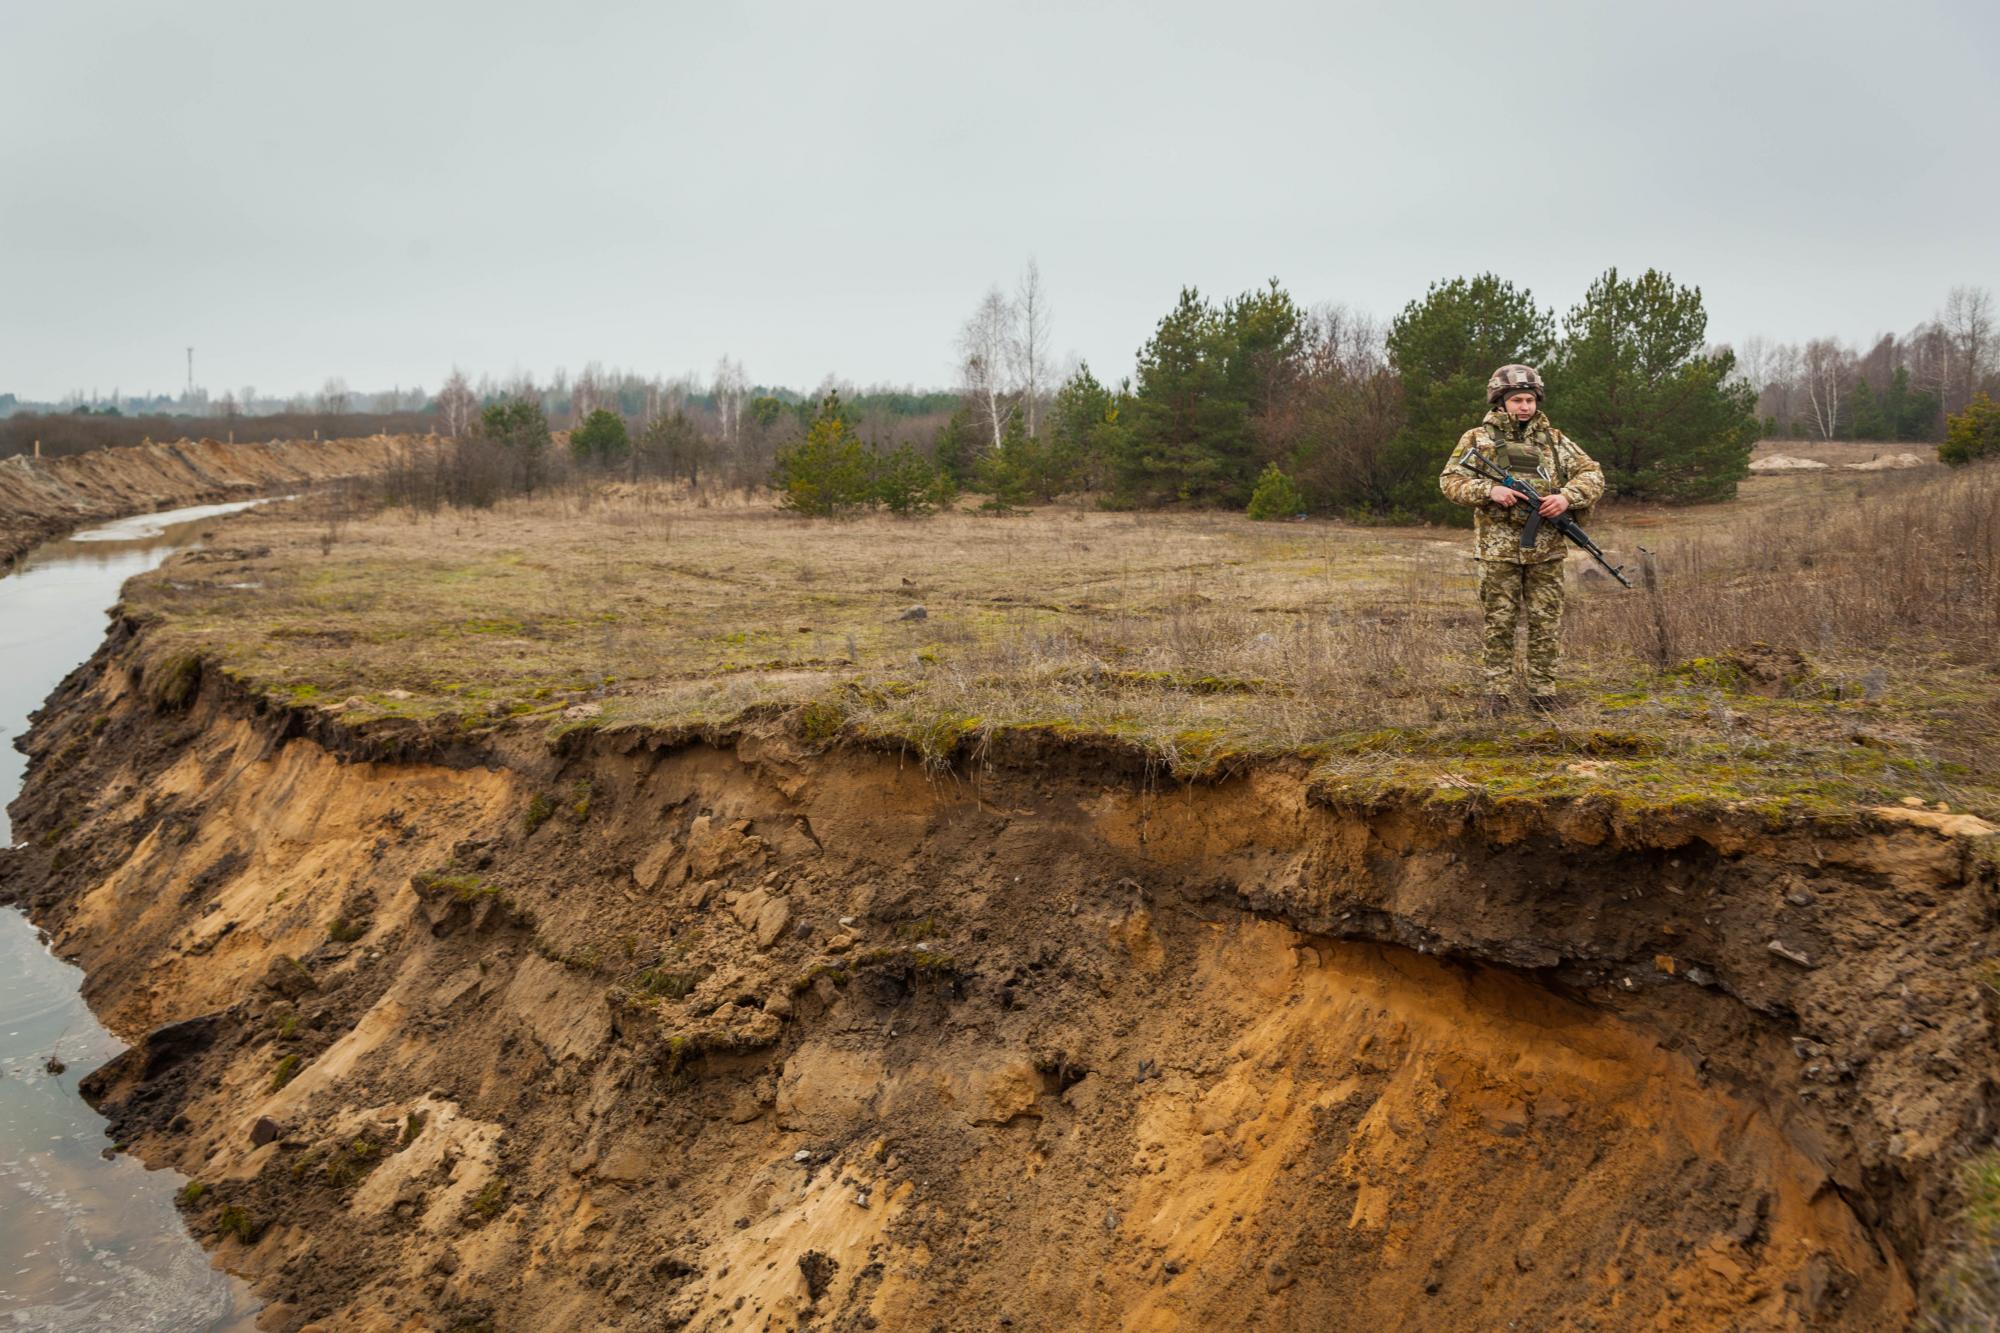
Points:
x=1524 y=459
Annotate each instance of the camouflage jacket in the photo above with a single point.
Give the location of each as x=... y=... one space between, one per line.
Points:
x=1540 y=455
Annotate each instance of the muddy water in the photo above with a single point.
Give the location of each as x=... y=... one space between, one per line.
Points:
x=87 y=1242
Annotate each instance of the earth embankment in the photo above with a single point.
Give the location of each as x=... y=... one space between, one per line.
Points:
x=41 y=498
x=622 y=1029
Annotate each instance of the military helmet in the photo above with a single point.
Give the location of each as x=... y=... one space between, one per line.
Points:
x=1513 y=379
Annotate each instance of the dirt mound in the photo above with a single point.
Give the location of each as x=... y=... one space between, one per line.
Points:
x=42 y=498
x=1891 y=462
x=726 y=1035
x=1786 y=463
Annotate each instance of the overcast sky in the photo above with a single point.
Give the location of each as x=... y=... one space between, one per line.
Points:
x=378 y=191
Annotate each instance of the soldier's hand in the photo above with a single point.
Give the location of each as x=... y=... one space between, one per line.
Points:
x=1553 y=506
x=1502 y=495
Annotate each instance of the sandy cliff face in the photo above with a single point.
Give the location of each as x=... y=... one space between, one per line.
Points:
x=719 y=1033
x=42 y=498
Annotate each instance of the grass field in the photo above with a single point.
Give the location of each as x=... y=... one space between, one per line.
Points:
x=1826 y=639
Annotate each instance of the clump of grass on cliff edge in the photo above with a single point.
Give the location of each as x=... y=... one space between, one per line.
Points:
x=1966 y=1293
x=1203 y=640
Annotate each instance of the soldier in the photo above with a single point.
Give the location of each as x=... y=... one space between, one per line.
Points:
x=1517 y=584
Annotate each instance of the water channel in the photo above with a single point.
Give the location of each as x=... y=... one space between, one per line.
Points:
x=89 y=1239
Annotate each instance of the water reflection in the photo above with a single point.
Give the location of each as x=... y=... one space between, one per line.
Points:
x=86 y=1242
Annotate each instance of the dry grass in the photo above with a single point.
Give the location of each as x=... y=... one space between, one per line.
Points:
x=1202 y=637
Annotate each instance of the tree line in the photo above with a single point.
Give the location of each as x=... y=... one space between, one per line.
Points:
x=1333 y=412
x=1900 y=388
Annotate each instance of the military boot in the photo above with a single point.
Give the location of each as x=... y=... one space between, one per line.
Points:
x=1495 y=705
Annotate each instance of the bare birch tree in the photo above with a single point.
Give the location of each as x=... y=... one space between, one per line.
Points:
x=588 y=394
x=1968 y=323
x=1825 y=368
x=1753 y=363
x=985 y=356
x=1029 y=344
x=457 y=406
x=1929 y=351
x=1781 y=388
x=730 y=387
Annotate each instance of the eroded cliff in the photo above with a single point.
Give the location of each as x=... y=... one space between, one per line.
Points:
x=640 y=1031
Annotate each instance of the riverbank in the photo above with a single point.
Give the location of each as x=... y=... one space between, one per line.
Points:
x=42 y=498
x=88 y=1241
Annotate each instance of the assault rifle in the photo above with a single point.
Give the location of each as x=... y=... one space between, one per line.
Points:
x=1477 y=464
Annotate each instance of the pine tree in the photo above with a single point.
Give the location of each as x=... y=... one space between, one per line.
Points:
x=1973 y=433
x=1187 y=427
x=1444 y=348
x=826 y=474
x=1084 y=430
x=1275 y=497
x=1005 y=472
x=908 y=486
x=1633 y=383
x=601 y=440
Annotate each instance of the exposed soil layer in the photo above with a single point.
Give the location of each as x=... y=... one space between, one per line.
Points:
x=644 y=1032
x=42 y=498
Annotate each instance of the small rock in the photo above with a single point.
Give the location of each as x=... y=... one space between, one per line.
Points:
x=1800 y=897
x=397 y=694
x=802 y=1155
x=1789 y=954
x=578 y=712
x=914 y=613
x=840 y=943
x=265 y=1130
x=818 y=1270
x=847 y=923
x=861 y=1199
x=771 y=922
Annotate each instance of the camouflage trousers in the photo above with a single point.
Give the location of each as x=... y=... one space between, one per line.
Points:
x=1510 y=594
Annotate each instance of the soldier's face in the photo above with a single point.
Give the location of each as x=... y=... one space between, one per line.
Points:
x=1521 y=406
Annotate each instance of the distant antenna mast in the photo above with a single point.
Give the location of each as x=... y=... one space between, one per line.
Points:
x=190 y=392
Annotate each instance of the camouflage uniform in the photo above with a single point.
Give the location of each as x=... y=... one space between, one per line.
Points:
x=1517 y=585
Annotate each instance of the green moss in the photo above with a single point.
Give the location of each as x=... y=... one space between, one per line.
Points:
x=284 y=1072
x=804 y=981
x=537 y=814
x=461 y=887
x=191 y=1193
x=657 y=983
x=344 y=931
x=486 y=1204
x=413 y=1125
x=346 y=1166
x=235 y=1220
x=820 y=722
x=172 y=682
